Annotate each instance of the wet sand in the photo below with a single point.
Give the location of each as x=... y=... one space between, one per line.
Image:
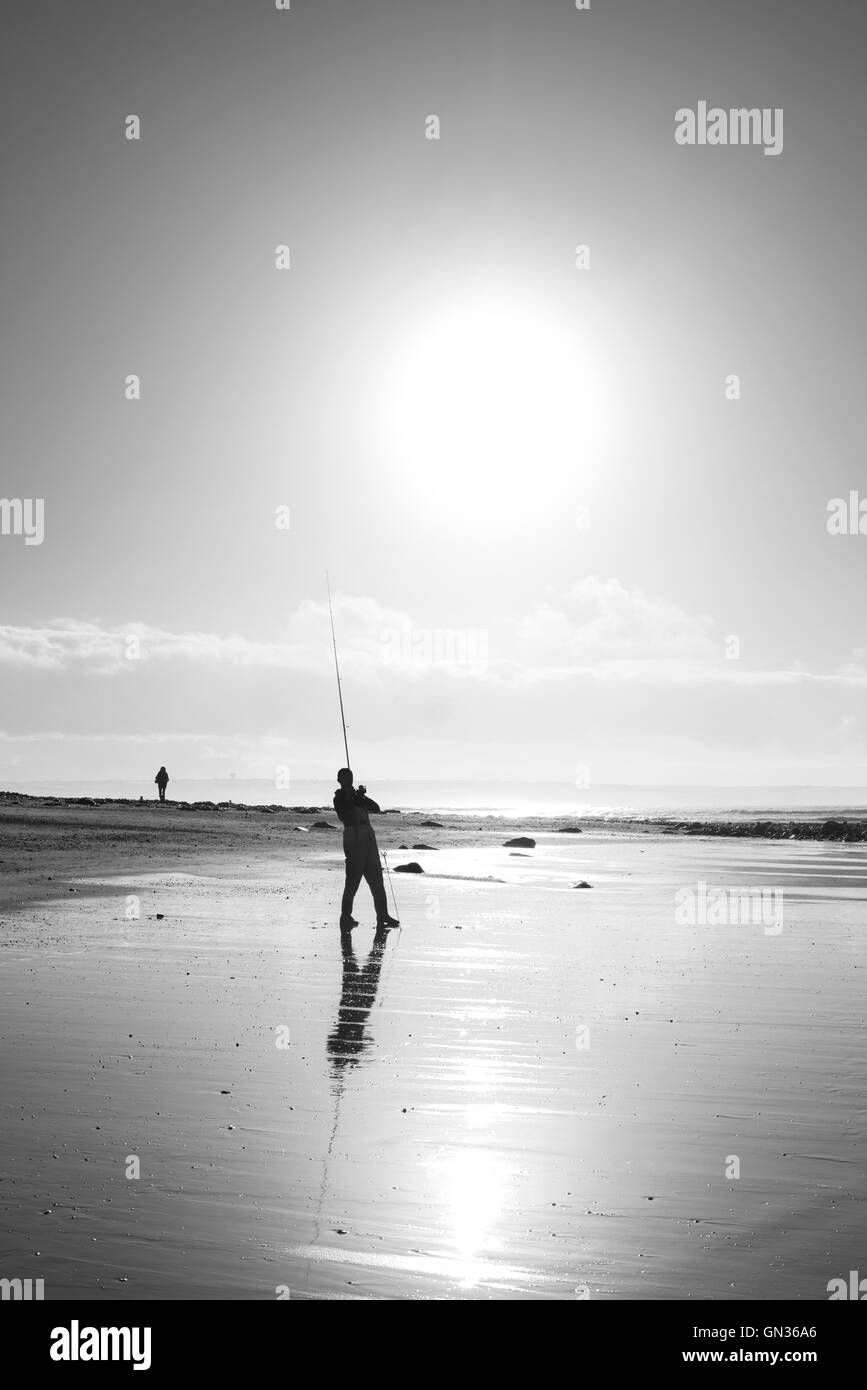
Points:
x=439 y=1124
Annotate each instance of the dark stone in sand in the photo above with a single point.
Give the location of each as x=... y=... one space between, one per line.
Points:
x=403 y=846
x=522 y=842
x=834 y=830
x=569 y=830
x=430 y=847
x=431 y=824
x=322 y=825
x=582 y=884
x=411 y=868
x=518 y=854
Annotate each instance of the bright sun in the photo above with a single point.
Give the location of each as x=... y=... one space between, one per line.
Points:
x=490 y=392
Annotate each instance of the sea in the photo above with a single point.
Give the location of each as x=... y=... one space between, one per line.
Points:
x=500 y=798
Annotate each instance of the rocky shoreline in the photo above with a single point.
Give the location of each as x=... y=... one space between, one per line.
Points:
x=844 y=831
x=23 y=799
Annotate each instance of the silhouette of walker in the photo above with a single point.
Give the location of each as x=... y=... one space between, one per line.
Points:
x=352 y=805
x=162 y=781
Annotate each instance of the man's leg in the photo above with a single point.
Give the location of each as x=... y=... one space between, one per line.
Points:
x=354 y=871
x=373 y=876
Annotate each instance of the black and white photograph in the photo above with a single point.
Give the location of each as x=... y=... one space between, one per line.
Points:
x=433 y=742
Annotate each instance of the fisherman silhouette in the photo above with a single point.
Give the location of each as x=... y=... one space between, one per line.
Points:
x=352 y=805
x=162 y=781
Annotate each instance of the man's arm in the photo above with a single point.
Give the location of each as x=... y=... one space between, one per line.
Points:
x=362 y=799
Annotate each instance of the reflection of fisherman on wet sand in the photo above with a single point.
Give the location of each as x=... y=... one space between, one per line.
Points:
x=347 y=1042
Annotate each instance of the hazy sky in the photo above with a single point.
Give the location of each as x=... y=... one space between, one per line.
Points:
x=472 y=435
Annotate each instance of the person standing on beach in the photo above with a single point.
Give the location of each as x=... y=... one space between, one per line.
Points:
x=162 y=781
x=353 y=805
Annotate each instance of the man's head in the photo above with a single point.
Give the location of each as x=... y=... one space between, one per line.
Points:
x=344 y=777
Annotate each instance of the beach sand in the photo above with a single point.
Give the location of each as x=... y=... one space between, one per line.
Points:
x=531 y=1091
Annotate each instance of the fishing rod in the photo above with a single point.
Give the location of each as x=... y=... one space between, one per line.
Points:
x=391 y=885
x=337 y=669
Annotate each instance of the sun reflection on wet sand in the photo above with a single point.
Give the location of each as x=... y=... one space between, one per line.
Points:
x=472 y=1186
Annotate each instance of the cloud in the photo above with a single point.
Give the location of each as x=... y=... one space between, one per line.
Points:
x=67 y=644
x=599 y=674
x=598 y=629
x=599 y=621
x=856 y=666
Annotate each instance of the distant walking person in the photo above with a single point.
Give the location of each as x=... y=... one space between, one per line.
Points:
x=352 y=805
x=162 y=781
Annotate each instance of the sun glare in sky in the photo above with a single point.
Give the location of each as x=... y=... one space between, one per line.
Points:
x=489 y=398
